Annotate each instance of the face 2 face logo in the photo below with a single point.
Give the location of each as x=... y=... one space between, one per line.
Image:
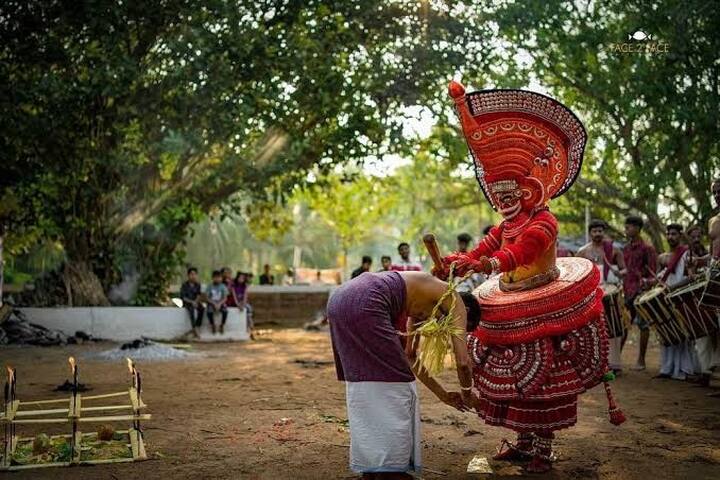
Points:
x=639 y=42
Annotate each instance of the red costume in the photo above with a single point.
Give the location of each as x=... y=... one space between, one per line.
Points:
x=542 y=339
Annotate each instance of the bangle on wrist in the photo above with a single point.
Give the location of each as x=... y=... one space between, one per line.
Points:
x=466 y=389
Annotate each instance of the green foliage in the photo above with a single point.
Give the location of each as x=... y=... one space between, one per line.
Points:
x=652 y=117
x=117 y=113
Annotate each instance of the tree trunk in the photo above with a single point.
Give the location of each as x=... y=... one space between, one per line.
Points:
x=83 y=287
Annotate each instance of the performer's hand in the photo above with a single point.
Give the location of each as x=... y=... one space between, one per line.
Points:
x=444 y=272
x=455 y=400
x=467 y=264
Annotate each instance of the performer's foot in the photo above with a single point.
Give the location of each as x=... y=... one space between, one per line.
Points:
x=662 y=375
x=522 y=451
x=222 y=328
x=195 y=333
x=639 y=367
x=542 y=455
x=214 y=330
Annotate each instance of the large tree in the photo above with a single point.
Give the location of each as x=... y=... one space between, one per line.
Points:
x=124 y=123
x=651 y=112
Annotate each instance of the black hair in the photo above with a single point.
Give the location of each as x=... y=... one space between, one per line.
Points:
x=192 y=269
x=597 y=223
x=403 y=244
x=634 y=220
x=366 y=259
x=486 y=230
x=464 y=237
x=216 y=273
x=693 y=228
x=674 y=226
x=237 y=276
x=386 y=257
x=472 y=306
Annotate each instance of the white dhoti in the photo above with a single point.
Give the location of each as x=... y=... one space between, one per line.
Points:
x=708 y=352
x=679 y=360
x=384 y=422
x=615 y=353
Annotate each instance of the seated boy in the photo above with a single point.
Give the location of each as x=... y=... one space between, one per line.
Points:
x=217 y=294
x=190 y=294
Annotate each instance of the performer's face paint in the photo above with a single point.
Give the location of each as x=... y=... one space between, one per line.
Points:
x=508 y=202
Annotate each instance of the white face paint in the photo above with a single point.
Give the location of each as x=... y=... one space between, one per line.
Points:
x=508 y=203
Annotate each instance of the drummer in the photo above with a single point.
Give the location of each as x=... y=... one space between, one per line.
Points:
x=609 y=260
x=676 y=361
x=708 y=349
x=640 y=264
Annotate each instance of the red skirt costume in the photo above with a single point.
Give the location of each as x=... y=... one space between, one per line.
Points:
x=542 y=338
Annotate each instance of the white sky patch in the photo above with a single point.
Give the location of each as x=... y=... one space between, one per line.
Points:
x=418 y=121
x=385 y=167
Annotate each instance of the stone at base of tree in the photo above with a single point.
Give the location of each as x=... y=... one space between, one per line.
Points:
x=73 y=285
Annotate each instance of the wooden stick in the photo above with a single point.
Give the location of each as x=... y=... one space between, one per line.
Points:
x=433 y=249
x=38 y=465
x=45 y=402
x=110 y=460
x=107 y=395
x=32 y=413
x=116 y=418
x=134 y=442
x=112 y=418
x=77 y=447
x=41 y=420
x=105 y=407
x=67 y=435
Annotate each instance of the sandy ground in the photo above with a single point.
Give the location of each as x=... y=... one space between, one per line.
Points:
x=247 y=410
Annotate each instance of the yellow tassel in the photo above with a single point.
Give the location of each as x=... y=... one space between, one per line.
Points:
x=436 y=334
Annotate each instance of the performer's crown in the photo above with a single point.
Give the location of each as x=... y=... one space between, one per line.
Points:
x=518 y=133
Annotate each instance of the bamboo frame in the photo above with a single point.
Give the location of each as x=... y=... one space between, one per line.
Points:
x=16 y=413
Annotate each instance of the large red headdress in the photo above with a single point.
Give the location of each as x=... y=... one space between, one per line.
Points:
x=520 y=137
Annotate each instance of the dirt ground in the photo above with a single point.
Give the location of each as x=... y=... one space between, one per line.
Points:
x=250 y=411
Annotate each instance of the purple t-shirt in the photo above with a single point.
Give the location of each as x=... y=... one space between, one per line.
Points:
x=363 y=314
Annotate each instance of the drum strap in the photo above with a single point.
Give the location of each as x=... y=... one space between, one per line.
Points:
x=674 y=261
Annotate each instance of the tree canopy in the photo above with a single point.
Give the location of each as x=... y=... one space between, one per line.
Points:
x=130 y=125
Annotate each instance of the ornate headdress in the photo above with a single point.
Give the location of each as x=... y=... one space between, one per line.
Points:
x=517 y=136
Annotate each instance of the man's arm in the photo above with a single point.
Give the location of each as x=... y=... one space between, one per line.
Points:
x=619 y=259
x=583 y=252
x=462 y=359
x=714 y=233
x=452 y=399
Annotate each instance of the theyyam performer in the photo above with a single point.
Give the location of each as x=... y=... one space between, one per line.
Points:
x=542 y=338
